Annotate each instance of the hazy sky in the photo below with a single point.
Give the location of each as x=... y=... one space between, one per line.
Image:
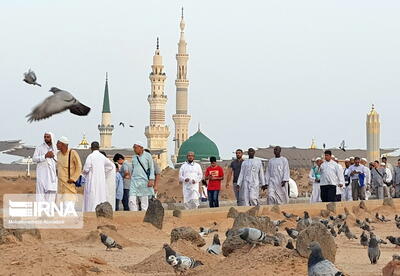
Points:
x=261 y=72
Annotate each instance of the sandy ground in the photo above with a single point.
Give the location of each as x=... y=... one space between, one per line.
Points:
x=71 y=252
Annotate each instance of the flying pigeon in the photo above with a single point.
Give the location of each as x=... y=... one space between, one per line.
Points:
x=394 y=240
x=109 y=242
x=180 y=263
x=373 y=249
x=30 y=78
x=58 y=102
x=289 y=244
x=131 y=126
x=364 y=241
x=293 y=233
x=215 y=247
x=342 y=146
x=122 y=124
x=318 y=265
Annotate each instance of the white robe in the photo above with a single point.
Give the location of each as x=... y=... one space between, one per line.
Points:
x=191 y=195
x=94 y=170
x=316 y=189
x=251 y=178
x=111 y=185
x=276 y=173
x=46 y=175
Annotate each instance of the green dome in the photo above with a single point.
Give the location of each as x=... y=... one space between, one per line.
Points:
x=201 y=145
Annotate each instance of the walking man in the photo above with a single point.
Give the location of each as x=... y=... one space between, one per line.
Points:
x=234 y=169
x=251 y=179
x=125 y=172
x=378 y=176
x=315 y=179
x=358 y=175
x=331 y=177
x=190 y=175
x=142 y=180
x=277 y=177
x=95 y=169
x=46 y=175
x=347 y=193
x=214 y=174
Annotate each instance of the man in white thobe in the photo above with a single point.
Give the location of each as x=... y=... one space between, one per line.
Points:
x=347 y=192
x=315 y=177
x=190 y=175
x=277 y=177
x=110 y=183
x=331 y=177
x=251 y=179
x=46 y=175
x=94 y=170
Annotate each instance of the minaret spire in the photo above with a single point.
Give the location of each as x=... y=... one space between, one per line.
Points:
x=106 y=126
x=158 y=43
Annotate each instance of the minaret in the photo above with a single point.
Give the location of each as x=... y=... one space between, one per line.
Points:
x=157 y=132
x=106 y=127
x=373 y=135
x=181 y=118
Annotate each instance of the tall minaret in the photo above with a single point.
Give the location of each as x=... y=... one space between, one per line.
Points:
x=157 y=132
x=106 y=127
x=181 y=118
x=373 y=135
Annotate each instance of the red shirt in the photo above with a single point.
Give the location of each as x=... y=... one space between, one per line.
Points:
x=217 y=171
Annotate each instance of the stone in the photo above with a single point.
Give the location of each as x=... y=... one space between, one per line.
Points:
x=331 y=206
x=282 y=239
x=276 y=209
x=98 y=260
x=233 y=213
x=325 y=213
x=263 y=223
x=392 y=268
x=107 y=226
x=254 y=211
x=177 y=213
x=13 y=235
x=316 y=232
x=155 y=213
x=188 y=234
x=104 y=210
x=231 y=244
x=346 y=211
x=362 y=205
x=95 y=269
x=388 y=202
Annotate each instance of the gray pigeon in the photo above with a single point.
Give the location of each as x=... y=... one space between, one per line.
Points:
x=215 y=247
x=109 y=242
x=318 y=265
x=254 y=236
x=278 y=222
x=364 y=241
x=30 y=78
x=205 y=231
x=373 y=249
x=289 y=244
x=58 y=102
x=394 y=240
x=180 y=263
x=349 y=234
x=293 y=233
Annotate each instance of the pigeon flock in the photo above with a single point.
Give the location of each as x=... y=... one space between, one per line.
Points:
x=60 y=101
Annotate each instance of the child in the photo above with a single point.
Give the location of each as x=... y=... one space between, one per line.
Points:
x=119 y=186
x=214 y=175
x=203 y=195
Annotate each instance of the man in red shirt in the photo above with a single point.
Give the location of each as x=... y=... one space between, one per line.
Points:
x=214 y=175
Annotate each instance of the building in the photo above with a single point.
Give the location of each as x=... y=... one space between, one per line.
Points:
x=106 y=128
x=313 y=144
x=84 y=144
x=157 y=132
x=202 y=146
x=181 y=118
x=373 y=135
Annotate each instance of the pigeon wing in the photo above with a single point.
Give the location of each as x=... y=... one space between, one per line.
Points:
x=324 y=267
x=79 y=109
x=33 y=75
x=109 y=241
x=54 y=104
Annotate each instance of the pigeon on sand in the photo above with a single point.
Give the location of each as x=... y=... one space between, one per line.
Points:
x=373 y=249
x=58 y=102
x=318 y=265
x=215 y=247
x=180 y=263
x=30 y=78
x=109 y=242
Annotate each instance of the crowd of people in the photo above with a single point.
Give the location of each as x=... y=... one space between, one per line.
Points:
x=133 y=184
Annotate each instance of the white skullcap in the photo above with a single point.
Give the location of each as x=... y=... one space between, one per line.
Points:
x=318 y=158
x=364 y=159
x=383 y=164
x=351 y=157
x=64 y=140
x=347 y=160
x=333 y=156
x=336 y=159
x=139 y=143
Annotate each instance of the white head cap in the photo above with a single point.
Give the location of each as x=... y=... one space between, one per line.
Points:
x=318 y=158
x=383 y=164
x=352 y=157
x=364 y=159
x=139 y=143
x=347 y=160
x=64 y=140
x=333 y=156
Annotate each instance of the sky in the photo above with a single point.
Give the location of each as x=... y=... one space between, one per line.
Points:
x=261 y=72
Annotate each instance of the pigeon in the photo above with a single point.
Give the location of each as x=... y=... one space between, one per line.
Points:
x=318 y=265
x=368 y=220
x=278 y=222
x=367 y=227
x=30 y=78
x=293 y=233
x=324 y=222
x=364 y=241
x=131 y=126
x=289 y=244
x=180 y=263
x=288 y=215
x=342 y=216
x=397 y=218
x=254 y=236
x=381 y=218
x=359 y=222
x=349 y=234
x=342 y=146
x=121 y=124
x=333 y=232
x=384 y=219
x=215 y=247
x=109 y=242
x=373 y=249
x=58 y=102
x=304 y=222
x=394 y=240
x=205 y=231
x=398 y=225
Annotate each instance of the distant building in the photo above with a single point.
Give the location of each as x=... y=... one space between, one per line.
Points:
x=84 y=144
x=373 y=135
x=313 y=144
x=106 y=128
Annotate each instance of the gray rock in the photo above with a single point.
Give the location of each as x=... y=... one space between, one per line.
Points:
x=346 y=211
x=388 y=202
x=254 y=211
x=233 y=213
x=155 y=213
x=262 y=223
x=104 y=210
x=331 y=206
x=188 y=234
x=316 y=232
x=177 y=213
x=232 y=243
x=325 y=213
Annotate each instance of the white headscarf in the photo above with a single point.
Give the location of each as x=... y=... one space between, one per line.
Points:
x=53 y=144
